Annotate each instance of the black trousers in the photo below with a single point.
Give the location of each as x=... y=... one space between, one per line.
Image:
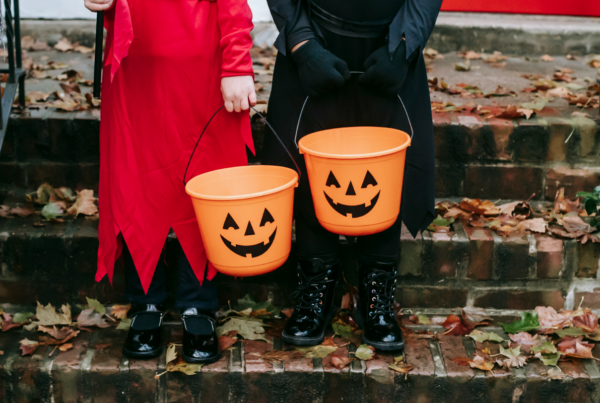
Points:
x=190 y=294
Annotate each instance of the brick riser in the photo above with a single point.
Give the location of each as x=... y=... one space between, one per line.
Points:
x=495 y=159
x=473 y=266
x=86 y=375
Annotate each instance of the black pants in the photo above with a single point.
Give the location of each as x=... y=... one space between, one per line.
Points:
x=189 y=291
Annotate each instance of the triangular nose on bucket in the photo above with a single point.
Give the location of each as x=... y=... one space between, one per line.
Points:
x=338 y=160
x=245 y=217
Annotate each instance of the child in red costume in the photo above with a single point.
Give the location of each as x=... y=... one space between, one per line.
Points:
x=168 y=65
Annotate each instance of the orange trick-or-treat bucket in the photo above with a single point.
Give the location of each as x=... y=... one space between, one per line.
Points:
x=245 y=217
x=356 y=177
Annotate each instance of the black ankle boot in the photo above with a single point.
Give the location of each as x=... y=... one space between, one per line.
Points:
x=314 y=303
x=376 y=288
x=200 y=341
x=144 y=338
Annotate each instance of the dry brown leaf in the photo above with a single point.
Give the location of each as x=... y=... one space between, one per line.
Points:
x=88 y=318
x=84 y=204
x=479 y=206
x=28 y=346
x=65 y=347
x=547 y=58
x=535 y=225
x=576 y=224
x=120 y=311
x=340 y=362
x=481 y=363
x=549 y=318
x=64 y=333
x=575 y=347
x=7 y=322
x=63 y=45
x=225 y=342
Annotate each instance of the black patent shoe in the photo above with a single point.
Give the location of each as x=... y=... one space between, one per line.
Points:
x=200 y=341
x=144 y=338
x=314 y=303
x=374 y=311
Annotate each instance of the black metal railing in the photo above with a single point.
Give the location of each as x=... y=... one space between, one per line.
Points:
x=15 y=71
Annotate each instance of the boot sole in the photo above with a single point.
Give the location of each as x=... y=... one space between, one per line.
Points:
x=201 y=360
x=143 y=354
x=396 y=346
x=309 y=341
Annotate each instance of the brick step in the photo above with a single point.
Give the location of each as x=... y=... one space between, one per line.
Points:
x=508 y=159
x=241 y=375
x=472 y=266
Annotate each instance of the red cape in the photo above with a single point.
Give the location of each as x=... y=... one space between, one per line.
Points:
x=164 y=61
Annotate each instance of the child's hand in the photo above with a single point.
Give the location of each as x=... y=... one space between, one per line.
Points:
x=98 y=5
x=238 y=93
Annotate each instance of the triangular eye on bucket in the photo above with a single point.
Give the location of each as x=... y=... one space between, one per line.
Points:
x=369 y=180
x=332 y=181
x=266 y=218
x=230 y=223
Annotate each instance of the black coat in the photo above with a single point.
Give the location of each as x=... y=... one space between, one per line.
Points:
x=355 y=105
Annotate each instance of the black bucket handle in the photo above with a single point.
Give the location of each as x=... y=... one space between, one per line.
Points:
x=264 y=120
x=412 y=132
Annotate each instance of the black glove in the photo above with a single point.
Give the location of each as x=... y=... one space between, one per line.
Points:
x=385 y=74
x=320 y=70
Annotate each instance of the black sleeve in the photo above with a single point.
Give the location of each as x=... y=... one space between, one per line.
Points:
x=414 y=22
x=293 y=23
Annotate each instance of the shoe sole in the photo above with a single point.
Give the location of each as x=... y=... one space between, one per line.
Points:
x=396 y=346
x=143 y=354
x=201 y=360
x=309 y=341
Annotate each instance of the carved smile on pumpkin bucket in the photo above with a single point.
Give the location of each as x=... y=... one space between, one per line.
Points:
x=255 y=250
x=353 y=211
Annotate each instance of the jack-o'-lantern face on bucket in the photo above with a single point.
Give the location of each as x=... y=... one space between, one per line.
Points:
x=250 y=243
x=350 y=197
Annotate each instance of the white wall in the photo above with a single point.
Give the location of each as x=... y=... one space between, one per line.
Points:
x=74 y=9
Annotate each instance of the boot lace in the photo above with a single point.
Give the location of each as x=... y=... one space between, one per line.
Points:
x=382 y=285
x=310 y=291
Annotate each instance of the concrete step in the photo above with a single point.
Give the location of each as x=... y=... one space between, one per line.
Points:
x=84 y=374
x=520 y=34
x=472 y=266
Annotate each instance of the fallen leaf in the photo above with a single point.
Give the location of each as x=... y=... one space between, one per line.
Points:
x=549 y=359
x=225 y=342
x=576 y=224
x=365 y=352
x=556 y=373
x=525 y=339
x=51 y=211
x=8 y=323
x=247 y=327
x=63 y=334
x=63 y=45
x=22 y=317
x=586 y=320
x=83 y=49
x=455 y=327
x=94 y=303
x=463 y=361
x=529 y=321
x=470 y=55
x=319 y=351
x=549 y=318
x=473 y=316
x=278 y=356
x=480 y=362
x=488 y=336
x=84 y=204
x=88 y=318
x=28 y=346
x=120 y=311
x=466 y=66
x=288 y=312
x=102 y=347
x=340 y=362
x=402 y=368
x=48 y=316
x=124 y=324
x=575 y=347
x=534 y=225
x=546 y=348
x=513 y=358
x=479 y=206
x=547 y=58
